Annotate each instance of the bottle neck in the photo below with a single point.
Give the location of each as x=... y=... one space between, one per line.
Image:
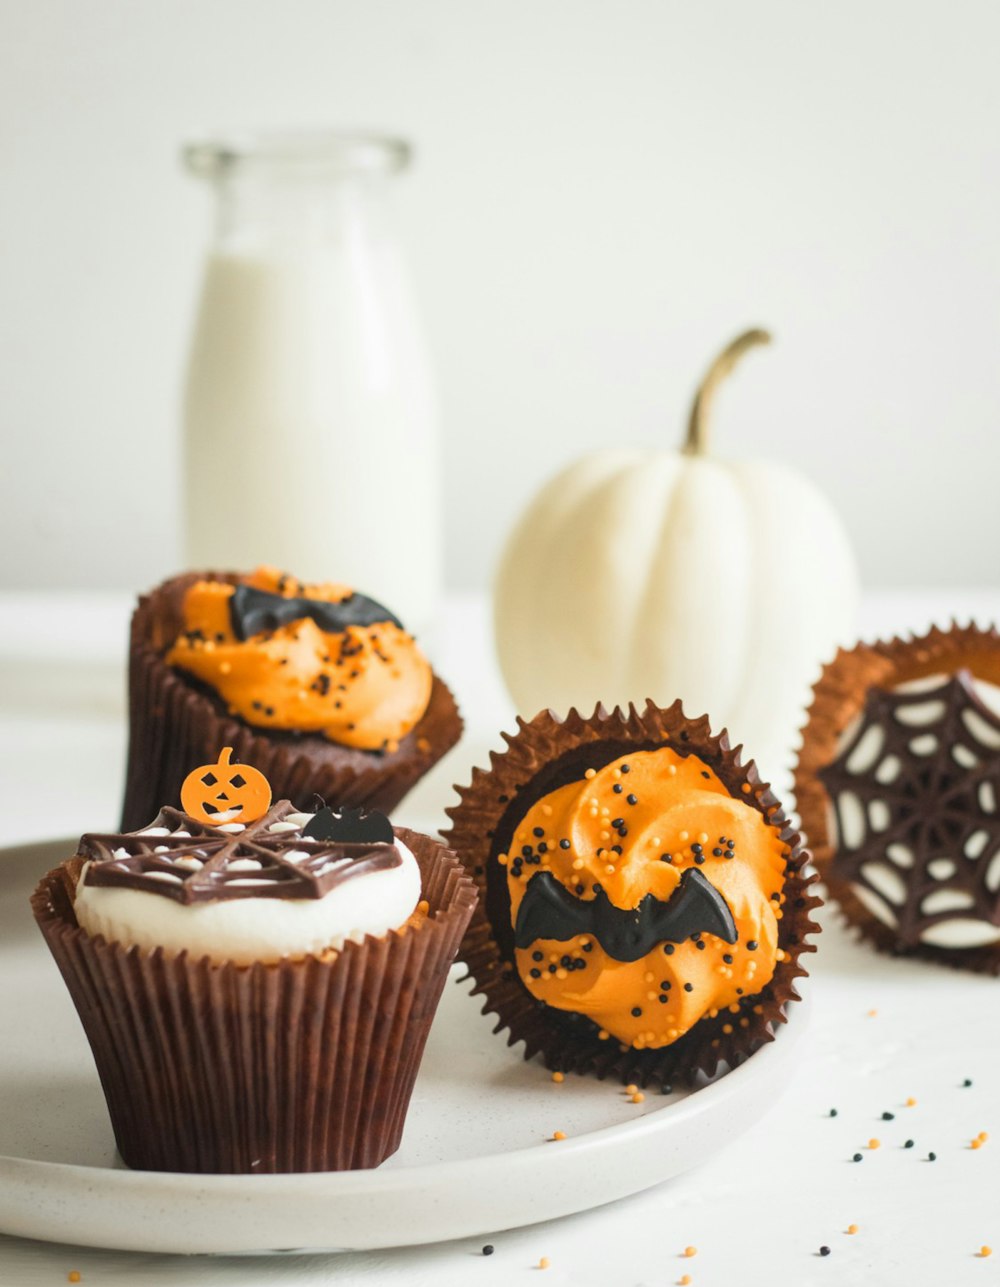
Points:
x=262 y=212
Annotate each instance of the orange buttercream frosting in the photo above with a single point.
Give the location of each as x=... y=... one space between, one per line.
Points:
x=633 y=828
x=365 y=686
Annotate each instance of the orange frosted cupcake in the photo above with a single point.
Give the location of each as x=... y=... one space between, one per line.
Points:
x=318 y=684
x=643 y=907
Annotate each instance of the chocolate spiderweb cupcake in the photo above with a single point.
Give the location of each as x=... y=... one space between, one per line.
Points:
x=257 y=997
x=643 y=906
x=251 y=682
x=898 y=784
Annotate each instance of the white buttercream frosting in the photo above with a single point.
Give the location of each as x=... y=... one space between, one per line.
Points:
x=245 y=930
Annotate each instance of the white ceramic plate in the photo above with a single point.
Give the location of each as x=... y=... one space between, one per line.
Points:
x=477 y=1153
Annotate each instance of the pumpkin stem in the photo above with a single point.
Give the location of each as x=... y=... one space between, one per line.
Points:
x=224 y=755
x=697 y=432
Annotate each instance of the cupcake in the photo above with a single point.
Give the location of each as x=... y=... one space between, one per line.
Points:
x=898 y=782
x=643 y=906
x=318 y=685
x=257 y=992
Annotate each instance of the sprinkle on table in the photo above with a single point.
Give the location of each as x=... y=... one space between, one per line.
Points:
x=833 y=1112
x=911 y=1102
x=931 y=1157
x=872 y=1014
x=631 y=1088
x=967 y=1083
x=638 y=1097
x=908 y=1144
x=824 y=1251
x=873 y=1143
x=73 y=1276
x=557 y=1076
x=558 y=1135
x=684 y=1280
x=544 y=1262
x=690 y=1251
x=488 y=1249
x=852 y=1228
x=985 y=1251
x=856 y=1158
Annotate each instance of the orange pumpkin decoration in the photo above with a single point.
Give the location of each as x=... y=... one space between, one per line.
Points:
x=222 y=792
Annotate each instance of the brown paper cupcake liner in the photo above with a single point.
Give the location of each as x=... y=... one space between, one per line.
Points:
x=839 y=698
x=545 y=753
x=297 y=1066
x=175 y=722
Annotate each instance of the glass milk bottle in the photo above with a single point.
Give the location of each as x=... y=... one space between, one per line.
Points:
x=311 y=438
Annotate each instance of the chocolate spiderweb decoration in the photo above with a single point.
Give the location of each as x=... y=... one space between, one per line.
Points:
x=191 y=862
x=915 y=794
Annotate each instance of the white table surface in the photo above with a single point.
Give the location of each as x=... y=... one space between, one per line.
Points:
x=882 y=1031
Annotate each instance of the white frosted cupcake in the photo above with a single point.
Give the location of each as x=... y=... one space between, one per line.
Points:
x=257 y=994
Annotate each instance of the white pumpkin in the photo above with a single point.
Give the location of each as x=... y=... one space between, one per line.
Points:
x=642 y=574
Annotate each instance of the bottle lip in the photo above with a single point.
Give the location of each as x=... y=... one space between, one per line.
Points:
x=300 y=151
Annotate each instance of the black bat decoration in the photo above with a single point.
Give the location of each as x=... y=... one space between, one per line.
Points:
x=253 y=611
x=548 y=910
x=350 y=827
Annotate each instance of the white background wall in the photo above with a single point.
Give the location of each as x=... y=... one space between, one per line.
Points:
x=603 y=193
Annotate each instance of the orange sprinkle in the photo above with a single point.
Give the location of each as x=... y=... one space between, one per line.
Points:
x=982 y=1136
x=638 y=1097
x=557 y=1076
x=631 y=1088
x=874 y=1143
x=684 y=1281
x=977 y=1143
x=603 y=1035
x=745 y=788
x=911 y=1102
x=73 y=1276
x=558 y=1135
x=852 y=1228
x=690 y=1251
x=872 y=1014
x=543 y=1263
x=591 y=773
x=985 y=1251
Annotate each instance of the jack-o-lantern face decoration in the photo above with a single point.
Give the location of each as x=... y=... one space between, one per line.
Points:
x=223 y=792
x=645 y=897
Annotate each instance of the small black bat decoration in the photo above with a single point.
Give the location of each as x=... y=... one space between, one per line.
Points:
x=350 y=827
x=252 y=611
x=548 y=910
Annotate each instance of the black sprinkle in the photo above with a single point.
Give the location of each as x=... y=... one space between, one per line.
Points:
x=624 y=768
x=716 y=853
x=824 y=1251
x=704 y=773
x=727 y=957
x=699 y=859
x=662 y=998
x=536 y=973
x=700 y=945
x=536 y=956
x=564 y=844
x=636 y=1011
x=688 y=987
x=931 y=1157
x=967 y=1082
x=857 y=1158
x=751 y=945
x=888 y=1117
x=588 y=947
x=618 y=788
x=665 y=985
x=833 y=1112
x=488 y=1249
x=631 y=799
x=538 y=831
x=617 y=822
x=908 y=1144
x=668 y=948
x=666 y=858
